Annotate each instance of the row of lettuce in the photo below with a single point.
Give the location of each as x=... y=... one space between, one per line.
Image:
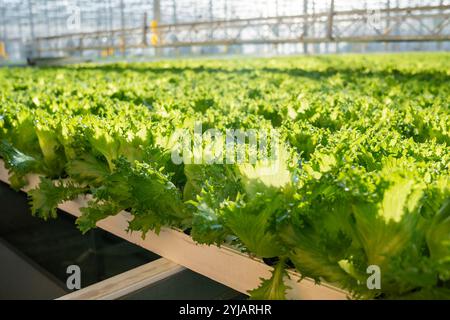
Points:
x=362 y=177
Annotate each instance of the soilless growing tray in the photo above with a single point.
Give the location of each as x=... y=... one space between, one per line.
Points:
x=222 y=264
x=355 y=192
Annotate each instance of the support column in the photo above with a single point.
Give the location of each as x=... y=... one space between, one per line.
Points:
x=3 y=22
x=110 y=27
x=3 y=35
x=157 y=18
x=210 y=49
x=330 y=26
x=30 y=18
x=31 y=43
x=276 y=30
x=305 y=26
x=144 y=30
x=225 y=11
x=122 y=27
x=175 y=21
x=330 y=21
x=397 y=27
x=315 y=46
x=388 y=22
x=439 y=44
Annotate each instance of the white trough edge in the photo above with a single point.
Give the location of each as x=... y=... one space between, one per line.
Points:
x=127 y=282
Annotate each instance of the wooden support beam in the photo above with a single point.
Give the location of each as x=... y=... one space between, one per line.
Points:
x=127 y=282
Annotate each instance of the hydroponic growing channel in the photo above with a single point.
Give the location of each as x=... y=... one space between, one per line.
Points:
x=350 y=172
